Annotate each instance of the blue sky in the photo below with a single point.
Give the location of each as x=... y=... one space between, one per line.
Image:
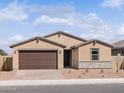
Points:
x=89 y=19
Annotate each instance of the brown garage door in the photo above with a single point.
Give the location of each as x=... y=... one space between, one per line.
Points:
x=37 y=60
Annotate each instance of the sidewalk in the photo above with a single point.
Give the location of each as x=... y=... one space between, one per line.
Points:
x=61 y=82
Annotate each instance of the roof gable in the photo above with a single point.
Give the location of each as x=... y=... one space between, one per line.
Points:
x=93 y=41
x=67 y=34
x=119 y=43
x=37 y=38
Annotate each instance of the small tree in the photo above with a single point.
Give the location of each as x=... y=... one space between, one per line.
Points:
x=3 y=53
x=119 y=61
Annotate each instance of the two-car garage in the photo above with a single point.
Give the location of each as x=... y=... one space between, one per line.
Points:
x=37 y=53
x=37 y=59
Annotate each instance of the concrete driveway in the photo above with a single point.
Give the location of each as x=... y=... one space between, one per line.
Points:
x=37 y=74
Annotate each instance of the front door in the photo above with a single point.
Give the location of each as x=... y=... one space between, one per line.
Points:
x=67 y=58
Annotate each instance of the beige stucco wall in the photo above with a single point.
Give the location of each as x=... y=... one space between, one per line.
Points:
x=65 y=40
x=114 y=64
x=75 y=57
x=34 y=45
x=104 y=55
x=82 y=54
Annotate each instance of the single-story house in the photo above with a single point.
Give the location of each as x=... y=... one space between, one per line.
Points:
x=60 y=50
x=118 y=53
x=118 y=48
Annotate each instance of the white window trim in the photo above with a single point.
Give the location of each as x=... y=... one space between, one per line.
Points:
x=94 y=54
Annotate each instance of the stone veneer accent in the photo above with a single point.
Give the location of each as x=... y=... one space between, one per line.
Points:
x=95 y=64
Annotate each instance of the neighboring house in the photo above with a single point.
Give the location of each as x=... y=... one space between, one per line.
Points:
x=118 y=54
x=60 y=50
x=119 y=48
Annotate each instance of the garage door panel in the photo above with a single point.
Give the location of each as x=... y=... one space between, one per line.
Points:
x=35 y=58
x=38 y=60
x=37 y=66
x=38 y=55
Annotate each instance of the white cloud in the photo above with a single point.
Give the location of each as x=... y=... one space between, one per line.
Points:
x=34 y=34
x=112 y=3
x=44 y=19
x=91 y=24
x=95 y=27
x=10 y=40
x=3 y=42
x=14 y=12
x=120 y=30
x=92 y=36
x=15 y=38
x=94 y=23
x=53 y=10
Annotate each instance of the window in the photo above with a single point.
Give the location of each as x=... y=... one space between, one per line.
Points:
x=94 y=54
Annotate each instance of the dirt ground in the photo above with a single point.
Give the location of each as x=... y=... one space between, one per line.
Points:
x=91 y=73
x=60 y=74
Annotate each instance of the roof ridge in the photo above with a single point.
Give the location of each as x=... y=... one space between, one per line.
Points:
x=65 y=33
x=36 y=37
x=90 y=41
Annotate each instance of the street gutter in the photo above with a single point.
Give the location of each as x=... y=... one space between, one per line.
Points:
x=61 y=82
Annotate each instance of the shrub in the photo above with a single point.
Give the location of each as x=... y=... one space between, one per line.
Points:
x=7 y=64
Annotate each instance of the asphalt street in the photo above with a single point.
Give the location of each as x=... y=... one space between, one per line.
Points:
x=105 y=88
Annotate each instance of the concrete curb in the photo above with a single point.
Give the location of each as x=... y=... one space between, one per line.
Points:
x=61 y=82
